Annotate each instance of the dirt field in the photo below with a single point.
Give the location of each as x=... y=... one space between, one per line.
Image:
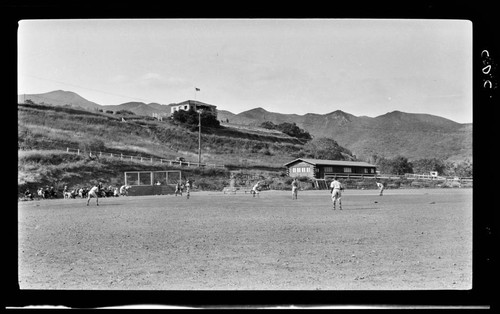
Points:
x=406 y=239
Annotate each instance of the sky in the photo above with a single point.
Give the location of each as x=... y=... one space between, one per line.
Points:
x=365 y=67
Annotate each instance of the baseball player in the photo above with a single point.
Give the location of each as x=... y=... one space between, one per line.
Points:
x=255 y=189
x=178 y=189
x=335 y=189
x=380 y=186
x=295 y=188
x=94 y=192
x=188 y=188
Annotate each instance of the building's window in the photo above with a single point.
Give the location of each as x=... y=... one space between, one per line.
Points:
x=347 y=169
x=293 y=169
x=366 y=170
x=373 y=171
x=328 y=169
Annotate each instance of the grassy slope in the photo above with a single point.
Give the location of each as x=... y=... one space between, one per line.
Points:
x=44 y=133
x=51 y=167
x=58 y=128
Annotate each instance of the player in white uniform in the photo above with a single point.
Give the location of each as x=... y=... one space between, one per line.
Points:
x=255 y=189
x=295 y=188
x=124 y=190
x=94 y=191
x=380 y=186
x=335 y=189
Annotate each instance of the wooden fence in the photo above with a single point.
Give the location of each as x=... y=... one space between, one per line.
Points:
x=409 y=176
x=412 y=176
x=147 y=159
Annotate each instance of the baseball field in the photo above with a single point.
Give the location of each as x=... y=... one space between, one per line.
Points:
x=405 y=240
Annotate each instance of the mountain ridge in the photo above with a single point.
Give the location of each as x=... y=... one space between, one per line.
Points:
x=413 y=135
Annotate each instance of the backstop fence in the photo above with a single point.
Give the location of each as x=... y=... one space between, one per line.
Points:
x=152 y=182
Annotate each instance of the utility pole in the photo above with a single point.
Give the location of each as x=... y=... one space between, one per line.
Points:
x=199 y=138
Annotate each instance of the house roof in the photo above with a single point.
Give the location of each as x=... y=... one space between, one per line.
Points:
x=325 y=162
x=195 y=102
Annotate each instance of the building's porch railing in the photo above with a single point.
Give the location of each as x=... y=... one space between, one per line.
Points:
x=330 y=175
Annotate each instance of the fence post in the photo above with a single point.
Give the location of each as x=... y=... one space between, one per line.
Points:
x=141 y=159
x=151 y=159
x=111 y=154
x=67 y=149
x=78 y=151
x=121 y=156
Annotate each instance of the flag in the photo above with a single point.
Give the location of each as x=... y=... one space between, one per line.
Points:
x=197 y=89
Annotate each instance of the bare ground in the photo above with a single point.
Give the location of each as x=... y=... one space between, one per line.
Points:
x=406 y=239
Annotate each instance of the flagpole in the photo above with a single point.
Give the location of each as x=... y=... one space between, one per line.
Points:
x=199 y=138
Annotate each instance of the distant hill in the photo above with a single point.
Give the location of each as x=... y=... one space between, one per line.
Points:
x=395 y=133
x=67 y=98
x=59 y=98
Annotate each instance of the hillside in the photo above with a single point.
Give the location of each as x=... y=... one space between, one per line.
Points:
x=140 y=108
x=49 y=127
x=46 y=132
x=396 y=133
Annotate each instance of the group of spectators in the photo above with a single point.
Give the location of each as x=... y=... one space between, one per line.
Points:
x=103 y=191
x=49 y=192
x=46 y=192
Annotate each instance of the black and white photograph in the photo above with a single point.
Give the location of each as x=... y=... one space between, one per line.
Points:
x=245 y=154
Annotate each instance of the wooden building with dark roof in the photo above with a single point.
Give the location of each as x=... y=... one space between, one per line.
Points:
x=325 y=169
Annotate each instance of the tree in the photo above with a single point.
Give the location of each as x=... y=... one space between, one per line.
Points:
x=401 y=165
x=325 y=148
x=124 y=112
x=288 y=128
x=464 y=168
x=426 y=165
x=398 y=165
x=268 y=125
x=293 y=130
x=190 y=117
x=459 y=169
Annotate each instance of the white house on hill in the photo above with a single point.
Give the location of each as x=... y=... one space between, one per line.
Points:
x=194 y=104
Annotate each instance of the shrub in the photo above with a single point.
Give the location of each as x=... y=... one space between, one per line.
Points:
x=191 y=118
x=287 y=128
x=124 y=112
